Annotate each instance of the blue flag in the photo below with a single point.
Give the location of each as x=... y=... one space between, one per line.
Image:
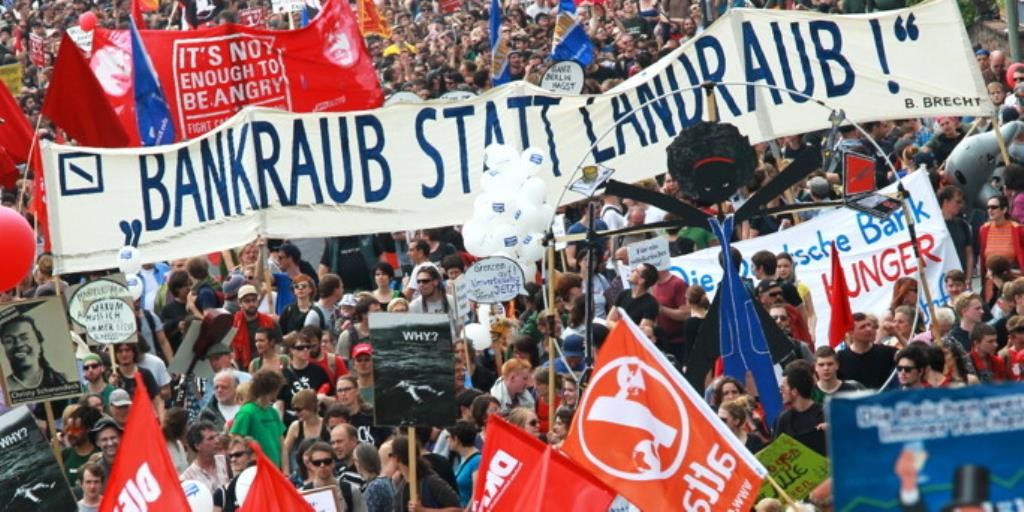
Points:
x=500 y=73
x=570 y=41
x=744 y=347
x=152 y=114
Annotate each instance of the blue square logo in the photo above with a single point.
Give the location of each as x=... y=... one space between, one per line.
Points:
x=80 y=173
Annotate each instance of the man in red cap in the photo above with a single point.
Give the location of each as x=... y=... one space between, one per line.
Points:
x=362 y=357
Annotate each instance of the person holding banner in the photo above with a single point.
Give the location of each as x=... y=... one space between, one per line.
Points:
x=434 y=492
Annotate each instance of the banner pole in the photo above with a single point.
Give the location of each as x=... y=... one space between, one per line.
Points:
x=413 y=489
x=174 y=10
x=551 y=333
x=778 y=488
x=28 y=165
x=999 y=139
x=921 y=276
x=54 y=443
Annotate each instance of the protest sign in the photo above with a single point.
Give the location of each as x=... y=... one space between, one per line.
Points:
x=252 y=17
x=38 y=360
x=102 y=310
x=653 y=251
x=925 y=449
x=210 y=74
x=82 y=38
x=10 y=76
x=308 y=175
x=875 y=253
x=31 y=478
x=564 y=77
x=288 y=6
x=36 y=52
x=795 y=467
x=460 y=293
x=494 y=279
x=413 y=369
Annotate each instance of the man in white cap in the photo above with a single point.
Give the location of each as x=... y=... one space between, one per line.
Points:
x=247 y=321
x=120 y=404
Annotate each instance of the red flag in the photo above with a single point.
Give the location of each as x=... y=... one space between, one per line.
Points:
x=140 y=22
x=270 y=490
x=8 y=170
x=38 y=205
x=839 y=300
x=646 y=433
x=76 y=103
x=518 y=472
x=370 y=21
x=15 y=131
x=143 y=476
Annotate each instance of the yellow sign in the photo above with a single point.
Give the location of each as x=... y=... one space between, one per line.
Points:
x=10 y=75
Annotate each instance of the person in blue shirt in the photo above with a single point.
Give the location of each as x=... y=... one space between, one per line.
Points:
x=462 y=441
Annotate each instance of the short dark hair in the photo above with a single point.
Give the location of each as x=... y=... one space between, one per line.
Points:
x=453 y=261
x=94 y=469
x=198 y=268
x=385 y=268
x=766 y=260
x=176 y=281
x=328 y=284
x=464 y=431
x=915 y=354
x=338 y=411
x=649 y=274
x=825 y=351
x=799 y=378
x=980 y=331
x=421 y=246
x=947 y=193
x=936 y=358
x=194 y=436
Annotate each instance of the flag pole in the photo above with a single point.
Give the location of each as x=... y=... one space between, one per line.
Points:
x=28 y=165
x=551 y=333
x=778 y=488
x=50 y=421
x=413 y=489
x=170 y=17
x=921 y=276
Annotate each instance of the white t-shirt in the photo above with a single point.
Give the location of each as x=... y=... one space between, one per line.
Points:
x=416 y=306
x=228 y=411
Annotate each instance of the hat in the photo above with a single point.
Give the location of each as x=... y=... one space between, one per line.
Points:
x=768 y=284
x=119 y=398
x=362 y=349
x=819 y=187
x=99 y=360
x=572 y=346
x=981 y=52
x=349 y=300
x=217 y=349
x=247 y=290
x=104 y=423
x=232 y=285
x=970 y=487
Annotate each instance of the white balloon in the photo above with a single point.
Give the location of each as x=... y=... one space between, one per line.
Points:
x=525 y=218
x=505 y=238
x=243 y=484
x=473 y=235
x=533 y=191
x=482 y=208
x=129 y=260
x=478 y=335
x=135 y=285
x=198 y=496
x=546 y=215
x=529 y=270
x=501 y=204
x=533 y=159
x=492 y=180
x=498 y=156
x=532 y=247
x=514 y=176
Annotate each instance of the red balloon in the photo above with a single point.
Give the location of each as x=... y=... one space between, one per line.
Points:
x=20 y=248
x=87 y=21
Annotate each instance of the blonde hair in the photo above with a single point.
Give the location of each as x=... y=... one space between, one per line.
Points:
x=513 y=366
x=519 y=415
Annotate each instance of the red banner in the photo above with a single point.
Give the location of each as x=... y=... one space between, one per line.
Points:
x=450 y=6
x=210 y=74
x=518 y=472
x=646 y=433
x=35 y=50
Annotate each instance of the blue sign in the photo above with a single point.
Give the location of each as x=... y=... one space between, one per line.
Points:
x=928 y=449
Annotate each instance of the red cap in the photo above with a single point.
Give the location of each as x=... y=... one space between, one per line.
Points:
x=362 y=349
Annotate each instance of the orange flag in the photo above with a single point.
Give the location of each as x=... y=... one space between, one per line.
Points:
x=143 y=476
x=370 y=21
x=270 y=490
x=646 y=433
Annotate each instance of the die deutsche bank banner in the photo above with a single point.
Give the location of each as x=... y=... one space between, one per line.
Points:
x=875 y=253
x=928 y=449
x=414 y=166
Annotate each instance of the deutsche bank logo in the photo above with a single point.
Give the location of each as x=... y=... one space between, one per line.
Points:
x=80 y=173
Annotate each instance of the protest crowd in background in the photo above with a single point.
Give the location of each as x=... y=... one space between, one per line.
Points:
x=298 y=378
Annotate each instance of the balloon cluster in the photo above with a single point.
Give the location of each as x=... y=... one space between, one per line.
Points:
x=510 y=215
x=129 y=261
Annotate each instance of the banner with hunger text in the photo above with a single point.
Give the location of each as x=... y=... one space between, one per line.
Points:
x=411 y=166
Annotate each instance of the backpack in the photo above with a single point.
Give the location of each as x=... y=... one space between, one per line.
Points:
x=346 y=494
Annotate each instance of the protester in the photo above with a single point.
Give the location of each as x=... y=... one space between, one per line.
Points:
x=92 y=482
x=210 y=466
x=378 y=493
x=258 y=418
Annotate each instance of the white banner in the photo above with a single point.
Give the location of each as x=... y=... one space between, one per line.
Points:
x=415 y=166
x=875 y=253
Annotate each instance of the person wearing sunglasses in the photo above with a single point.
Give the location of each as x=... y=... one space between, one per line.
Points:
x=299 y=374
x=94 y=374
x=294 y=315
x=432 y=298
x=320 y=467
x=910 y=367
x=526 y=419
x=240 y=457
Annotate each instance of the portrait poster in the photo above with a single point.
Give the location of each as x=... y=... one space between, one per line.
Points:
x=413 y=369
x=38 y=360
x=30 y=479
x=928 y=449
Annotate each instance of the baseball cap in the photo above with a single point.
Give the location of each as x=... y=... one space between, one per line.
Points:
x=573 y=346
x=348 y=300
x=217 y=349
x=247 y=290
x=93 y=357
x=362 y=349
x=233 y=285
x=767 y=284
x=120 y=398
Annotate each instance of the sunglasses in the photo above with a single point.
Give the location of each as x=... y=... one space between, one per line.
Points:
x=424 y=281
x=301 y=347
x=534 y=422
x=774 y=294
x=237 y=455
x=993 y=207
x=321 y=462
x=780 y=318
x=905 y=369
x=90 y=366
x=345 y=389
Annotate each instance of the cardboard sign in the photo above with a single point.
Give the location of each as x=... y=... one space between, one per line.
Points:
x=32 y=479
x=10 y=76
x=654 y=251
x=35 y=50
x=413 y=369
x=494 y=279
x=460 y=293
x=564 y=77
x=102 y=310
x=286 y=6
x=450 y=6
x=889 y=447
x=254 y=17
x=324 y=499
x=38 y=361
x=797 y=468
x=81 y=38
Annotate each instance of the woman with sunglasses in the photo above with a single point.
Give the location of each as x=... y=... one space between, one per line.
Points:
x=526 y=419
x=1000 y=236
x=294 y=315
x=240 y=457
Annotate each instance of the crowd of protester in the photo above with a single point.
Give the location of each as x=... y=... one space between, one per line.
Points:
x=298 y=377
